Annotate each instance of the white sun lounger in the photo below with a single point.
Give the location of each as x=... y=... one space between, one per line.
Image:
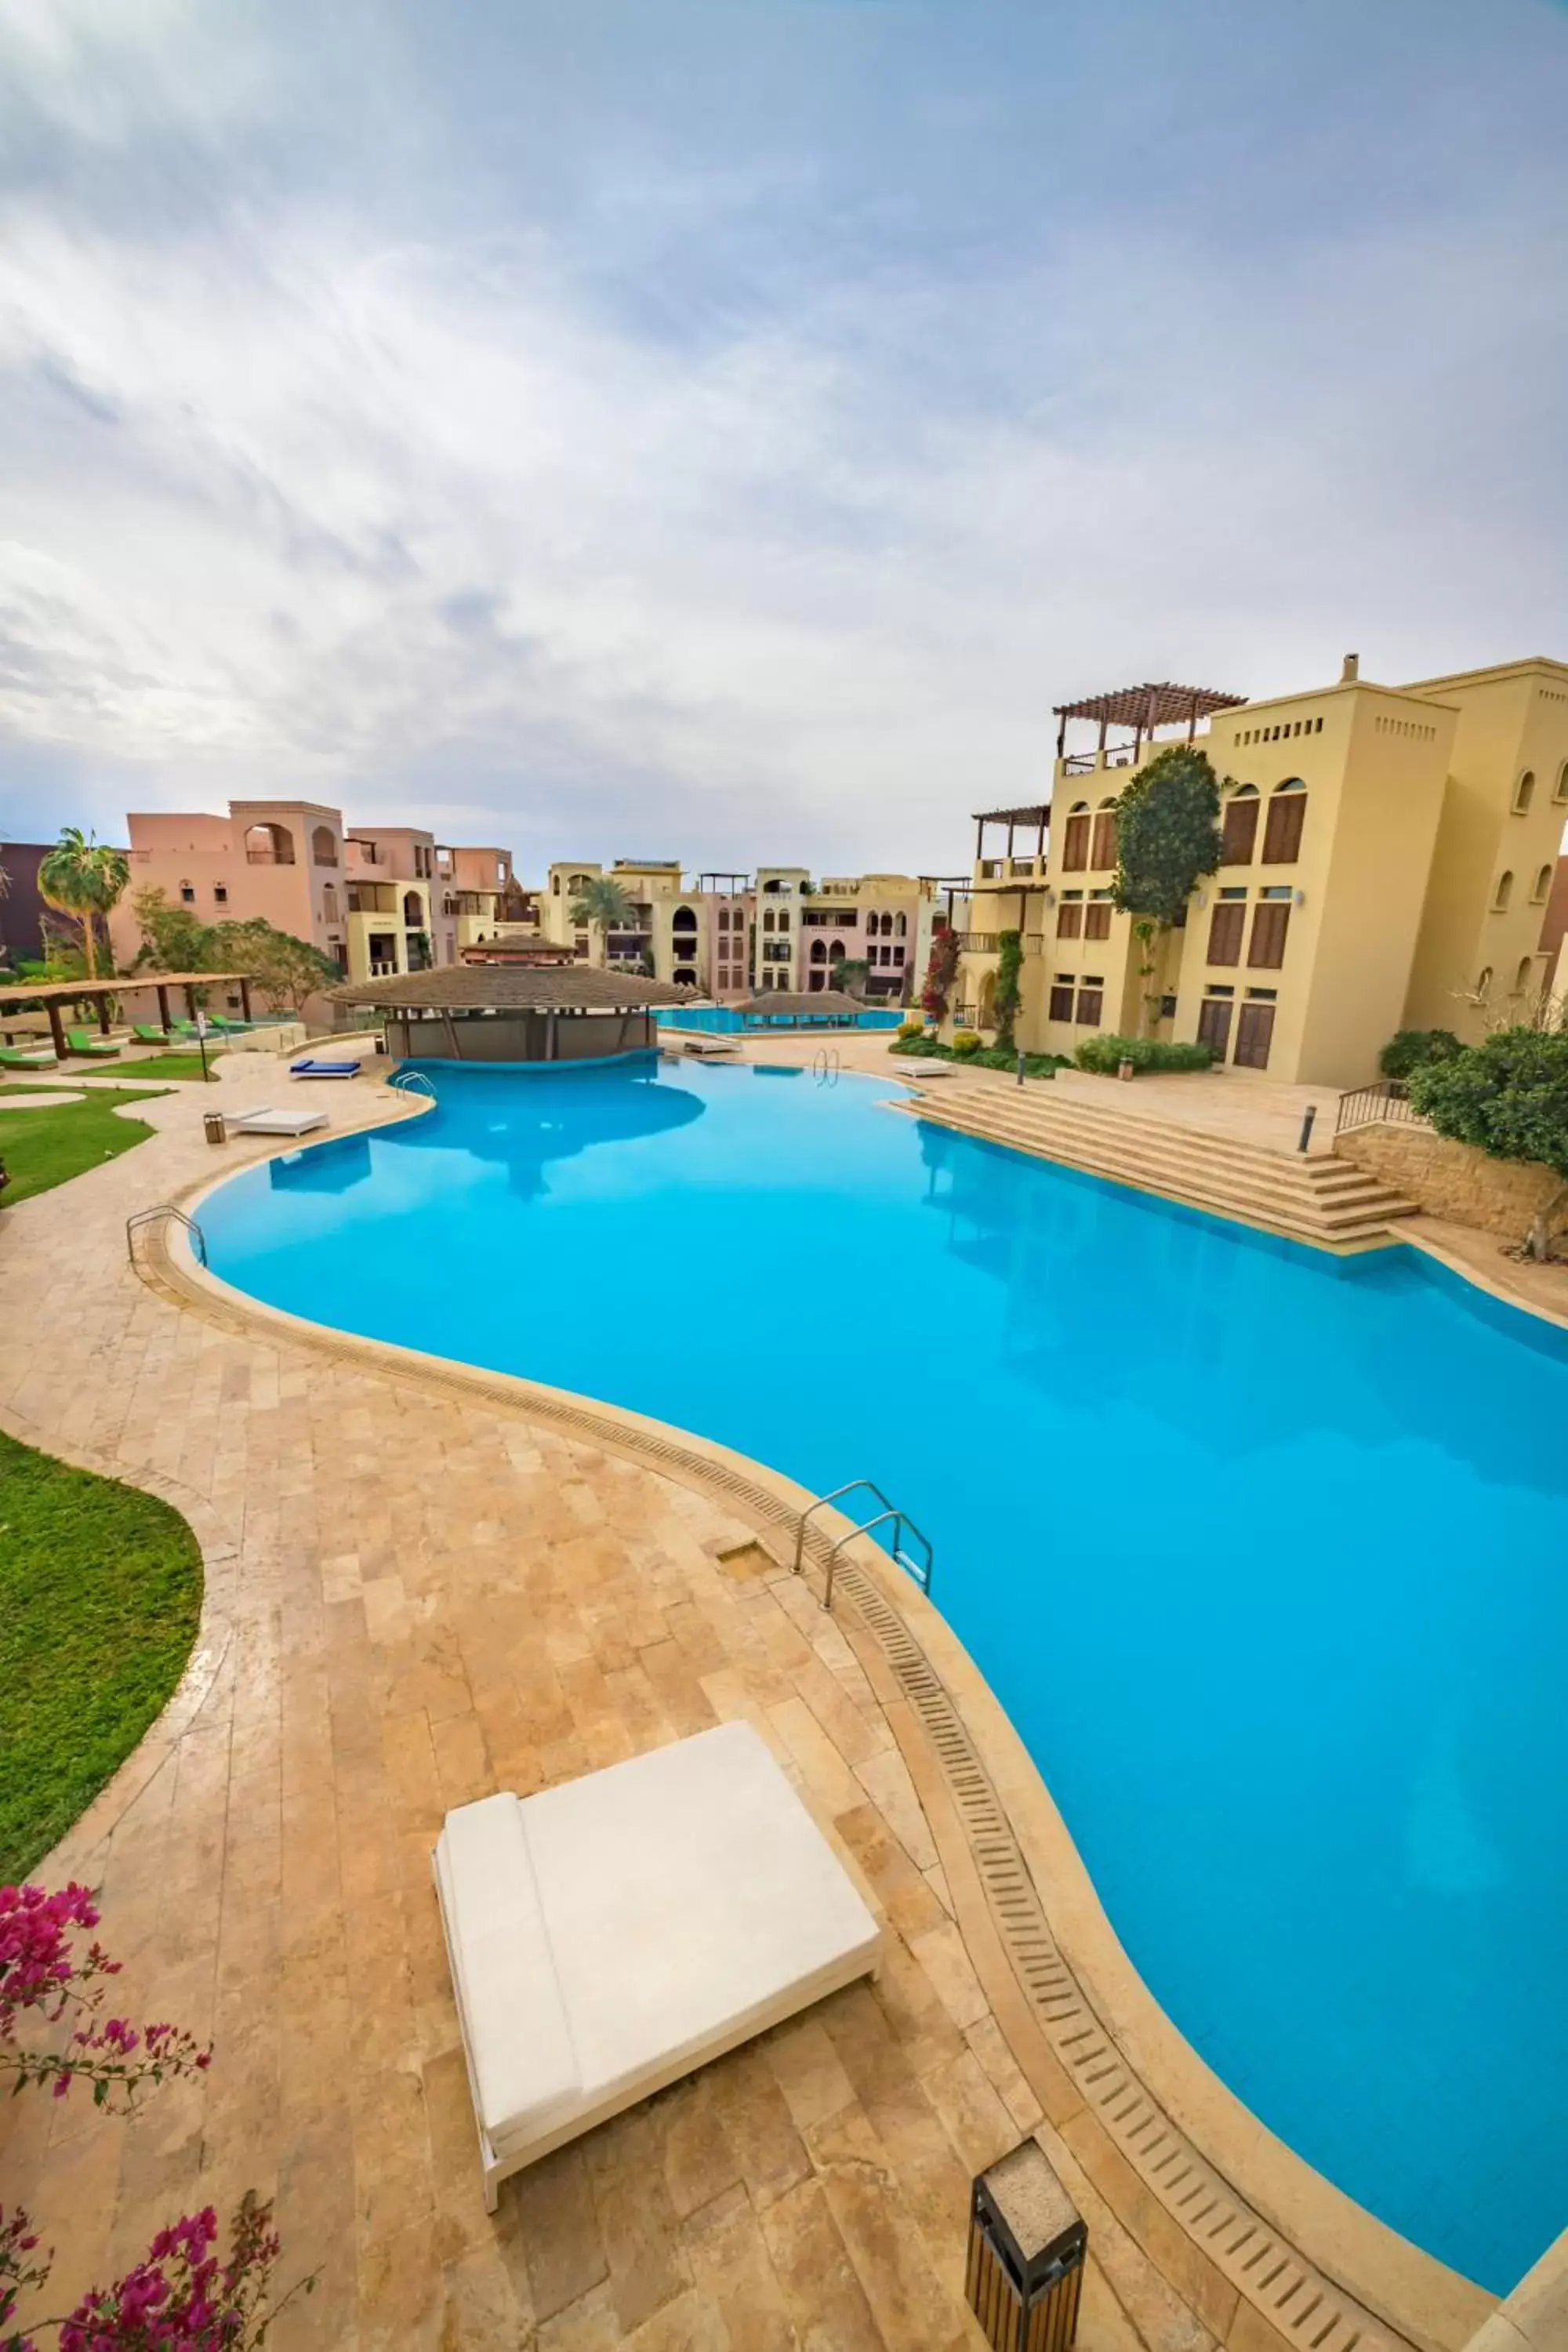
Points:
x=609 y=1935
x=278 y=1122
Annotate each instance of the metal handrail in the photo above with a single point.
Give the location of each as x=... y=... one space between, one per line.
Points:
x=140 y=1217
x=409 y=1082
x=1366 y=1106
x=825 y=1064
x=920 y=1570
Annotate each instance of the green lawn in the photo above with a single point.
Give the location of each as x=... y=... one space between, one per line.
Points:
x=173 y=1065
x=100 y=1589
x=45 y=1148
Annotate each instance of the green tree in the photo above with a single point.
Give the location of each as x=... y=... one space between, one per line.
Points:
x=84 y=877
x=282 y=970
x=1167 y=839
x=850 y=975
x=172 y=937
x=1509 y=1097
x=941 y=972
x=600 y=906
x=1008 y=995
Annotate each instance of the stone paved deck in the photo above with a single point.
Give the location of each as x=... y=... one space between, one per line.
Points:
x=415 y=1595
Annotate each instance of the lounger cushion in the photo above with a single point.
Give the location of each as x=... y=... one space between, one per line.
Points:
x=691 y=1899
x=525 y=2070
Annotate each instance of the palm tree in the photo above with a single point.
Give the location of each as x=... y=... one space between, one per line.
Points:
x=602 y=906
x=83 y=876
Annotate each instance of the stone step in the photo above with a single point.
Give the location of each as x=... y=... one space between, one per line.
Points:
x=1290 y=1193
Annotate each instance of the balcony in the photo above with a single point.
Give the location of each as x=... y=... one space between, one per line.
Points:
x=372 y=898
x=978 y=942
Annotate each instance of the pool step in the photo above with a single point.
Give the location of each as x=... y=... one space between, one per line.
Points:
x=1319 y=1199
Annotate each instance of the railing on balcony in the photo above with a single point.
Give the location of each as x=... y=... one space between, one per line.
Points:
x=978 y=942
x=269 y=857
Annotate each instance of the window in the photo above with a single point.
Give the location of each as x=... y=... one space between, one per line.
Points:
x=820 y=951
x=683 y=919
x=768 y=919
x=1226 y=925
x=898 y=955
x=1543 y=886
x=1524 y=977
x=323 y=847
x=1239 y=833
x=1254 y=1036
x=1089 y=1000
x=220 y=894
x=187 y=894
x=901 y=927
x=329 y=903
x=1484 y=980
x=1286 y=815
x=1069 y=916
x=1075 y=839
x=1103 y=853
x=783 y=919
x=1562 y=791
x=1270 y=920
x=1060 y=1007
x=1214 y=1025
x=1524 y=792
x=1502 y=894
x=1097 y=916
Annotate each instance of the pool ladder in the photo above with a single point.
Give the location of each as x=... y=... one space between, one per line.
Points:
x=918 y=1565
x=411 y=1082
x=140 y=1217
x=825 y=1066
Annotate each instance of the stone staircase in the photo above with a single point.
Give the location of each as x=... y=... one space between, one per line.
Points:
x=1318 y=1199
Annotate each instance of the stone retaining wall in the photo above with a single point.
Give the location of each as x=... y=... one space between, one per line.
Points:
x=1453 y=1180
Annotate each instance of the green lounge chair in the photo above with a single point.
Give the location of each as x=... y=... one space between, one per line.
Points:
x=147 y=1032
x=28 y=1058
x=82 y=1041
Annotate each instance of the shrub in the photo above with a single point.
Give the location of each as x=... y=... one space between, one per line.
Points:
x=911 y=1028
x=1009 y=994
x=965 y=1042
x=1105 y=1055
x=1411 y=1049
x=1509 y=1099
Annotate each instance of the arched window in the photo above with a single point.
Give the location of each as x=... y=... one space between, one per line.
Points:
x=988 y=1002
x=901 y=926
x=329 y=903
x=412 y=912
x=783 y=919
x=187 y=894
x=1075 y=839
x=1484 y=980
x=1542 y=890
x=723 y=918
x=1524 y=792
x=683 y=919
x=324 y=846
x=820 y=951
x=1524 y=977
x=835 y=951
x=767 y=918
x=578 y=882
x=1502 y=894
x=555 y=886
x=1562 y=791
x=1239 y=833
x=1286 y=817
x=269 y=845
x=1102 y=855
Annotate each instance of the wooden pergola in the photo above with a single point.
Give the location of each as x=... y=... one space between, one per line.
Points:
x=52 y=993
x=1034 y=818
x=1144 y=709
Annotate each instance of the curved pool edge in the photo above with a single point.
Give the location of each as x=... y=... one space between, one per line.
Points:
x=1389 y=2280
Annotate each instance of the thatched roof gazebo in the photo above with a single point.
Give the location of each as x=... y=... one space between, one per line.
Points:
x=515 y=1013
x=795 y=1008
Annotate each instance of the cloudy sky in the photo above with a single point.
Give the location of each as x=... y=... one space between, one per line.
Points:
x=723 y=430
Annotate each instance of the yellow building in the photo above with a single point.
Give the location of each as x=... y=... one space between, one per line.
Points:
x=1387 y=854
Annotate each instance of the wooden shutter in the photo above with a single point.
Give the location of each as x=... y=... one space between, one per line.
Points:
x=1061 y=1001
x=1270 y=920
x=1226 y=926
x=1238 y=836
x=1089 y=1000
x=1213 y=1024
x=1069 y=919
x=1253 y=1034
x=1097 y=920
x=1282 y=835
x=1074 y=844
x=1103 y=853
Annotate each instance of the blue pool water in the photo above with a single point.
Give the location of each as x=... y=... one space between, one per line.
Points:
x=726 y=1017
x=1263 y=1556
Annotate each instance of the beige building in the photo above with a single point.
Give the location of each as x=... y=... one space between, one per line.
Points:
x=1387 y=856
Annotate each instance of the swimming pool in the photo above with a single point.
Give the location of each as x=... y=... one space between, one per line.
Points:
x=723 y=1019
x=1298 y=1531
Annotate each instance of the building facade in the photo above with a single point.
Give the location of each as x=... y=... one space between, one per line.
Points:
x=1387 y=856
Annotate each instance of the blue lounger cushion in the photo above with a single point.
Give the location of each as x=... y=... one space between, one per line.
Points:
x=308 y=1068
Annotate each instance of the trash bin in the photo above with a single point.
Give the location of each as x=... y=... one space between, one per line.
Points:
x=1026 y=2247
x=213 y=1120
